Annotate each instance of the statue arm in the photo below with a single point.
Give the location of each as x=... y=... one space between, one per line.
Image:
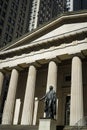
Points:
x=42 y=98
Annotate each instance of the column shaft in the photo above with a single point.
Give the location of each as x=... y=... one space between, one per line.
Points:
x=52 y=75
x=1 y=81
x=76 y=108
x=10 y=101
x=29 y=97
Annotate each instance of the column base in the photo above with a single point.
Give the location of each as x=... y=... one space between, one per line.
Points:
x=47 y=124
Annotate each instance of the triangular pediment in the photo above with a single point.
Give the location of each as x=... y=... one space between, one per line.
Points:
x=64 y=25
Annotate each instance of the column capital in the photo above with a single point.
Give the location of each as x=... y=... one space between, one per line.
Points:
x=53 y=60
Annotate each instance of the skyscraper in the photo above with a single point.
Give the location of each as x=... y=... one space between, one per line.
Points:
x=14 y=19
x=45 y=10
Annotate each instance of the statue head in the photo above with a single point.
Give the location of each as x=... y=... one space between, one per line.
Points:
x=51 y=88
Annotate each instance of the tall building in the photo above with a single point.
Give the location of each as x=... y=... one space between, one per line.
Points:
x=45 y=10
x=14 y=19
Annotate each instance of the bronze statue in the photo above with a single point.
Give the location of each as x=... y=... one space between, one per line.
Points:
x=50 y=103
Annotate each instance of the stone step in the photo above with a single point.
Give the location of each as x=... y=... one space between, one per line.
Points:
x=75 y=128
x=18 y=127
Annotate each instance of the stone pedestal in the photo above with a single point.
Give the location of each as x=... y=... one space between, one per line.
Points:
x=47 y=124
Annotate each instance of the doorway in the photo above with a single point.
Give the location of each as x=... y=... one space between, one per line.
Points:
x=67 y=110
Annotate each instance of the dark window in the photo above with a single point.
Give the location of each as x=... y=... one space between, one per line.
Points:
x=19 y=19
x=11 y=30
x=5 y=6
x=23 y=15
x=16 y=34
x=11 y=12
x=1 y=22
x=13 y=22
x=3 y=14
x=9 y=19
x=14 y=15
x=68 y=78
x=6 y=36
x=1 y=2
x=9 y=39
x=12 y=5
x=17 y=1
x=22 y=22
x=16 y=7
x=8 y=28
x=0 y=31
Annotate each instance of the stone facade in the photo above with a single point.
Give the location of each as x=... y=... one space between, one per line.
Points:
x=56 y=56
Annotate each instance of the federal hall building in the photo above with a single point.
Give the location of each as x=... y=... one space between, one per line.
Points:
x=53 y=54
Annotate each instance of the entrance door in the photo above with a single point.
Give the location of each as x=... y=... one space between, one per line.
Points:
x=67 y=110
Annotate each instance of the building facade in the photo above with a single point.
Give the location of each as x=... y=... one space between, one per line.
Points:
x=44 y=10
x=14 y=19
x=56 y=55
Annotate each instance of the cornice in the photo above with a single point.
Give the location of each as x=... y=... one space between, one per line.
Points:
x=62 y=52
x=53 y=41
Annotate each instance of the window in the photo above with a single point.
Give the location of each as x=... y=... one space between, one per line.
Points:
x=68 y=78
x=5 y=6
x=14 y=15
x=3 y=14
x=1 y=2
x=11 y=30
x=1 y=22
x=16 y=7
x=17 y=1
x=11 y=12
x=9 y=19
x=19 y=19
x=0 y=31
x=23 y=15
x=12 y=5
x=6 y=36
x=9 y=39
x=13 y=22
x=8 y=28
x=22 y=22
x=16 y=34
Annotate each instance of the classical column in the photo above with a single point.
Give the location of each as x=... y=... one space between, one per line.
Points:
x=1 y=81
x=35 y=111
x=17 y=111
x=76 y=107
x=52 y=75
x=29 y=97
x=10 y=101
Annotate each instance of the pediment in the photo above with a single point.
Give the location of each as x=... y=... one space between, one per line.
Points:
x=64 y=25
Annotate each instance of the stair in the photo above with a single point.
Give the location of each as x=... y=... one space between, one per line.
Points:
x=75 y=128
x=18 y=127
